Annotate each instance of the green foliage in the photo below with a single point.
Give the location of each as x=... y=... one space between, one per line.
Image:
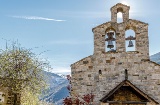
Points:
x=20 y=68
x=28 y=98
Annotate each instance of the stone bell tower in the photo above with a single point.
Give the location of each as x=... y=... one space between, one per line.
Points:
x=104 y=73
x=140 y=29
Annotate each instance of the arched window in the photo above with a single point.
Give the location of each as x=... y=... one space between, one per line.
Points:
x=110 y=41
x=119 y=15
x=130 y=40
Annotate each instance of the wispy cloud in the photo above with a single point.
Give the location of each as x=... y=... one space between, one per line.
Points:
x=37 y=18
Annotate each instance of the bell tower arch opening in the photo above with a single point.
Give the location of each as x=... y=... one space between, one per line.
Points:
x=130 y=42
x=110 y=41
x=119 y=15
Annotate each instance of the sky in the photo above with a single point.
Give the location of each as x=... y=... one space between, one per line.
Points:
x=61 y=30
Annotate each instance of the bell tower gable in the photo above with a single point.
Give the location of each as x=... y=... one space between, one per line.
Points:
x=119 y=42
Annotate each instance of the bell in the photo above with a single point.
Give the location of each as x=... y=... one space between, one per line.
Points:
x=110 y=44
x=130 y=44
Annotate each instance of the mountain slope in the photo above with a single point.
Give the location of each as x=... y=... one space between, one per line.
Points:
x=56 y=90
x=155 y=58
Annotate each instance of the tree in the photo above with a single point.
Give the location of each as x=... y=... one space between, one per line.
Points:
x=78 y=100
x=21 y=69
x=28 y=98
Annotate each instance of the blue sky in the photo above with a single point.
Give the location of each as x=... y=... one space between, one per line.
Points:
x=63 y=28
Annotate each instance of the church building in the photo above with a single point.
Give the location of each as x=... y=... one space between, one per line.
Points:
x=113 y=74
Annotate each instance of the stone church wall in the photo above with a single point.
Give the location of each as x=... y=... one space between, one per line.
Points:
x=143 y=73
x=102 y=71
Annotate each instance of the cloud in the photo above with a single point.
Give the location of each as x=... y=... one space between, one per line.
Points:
x=37 y=18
